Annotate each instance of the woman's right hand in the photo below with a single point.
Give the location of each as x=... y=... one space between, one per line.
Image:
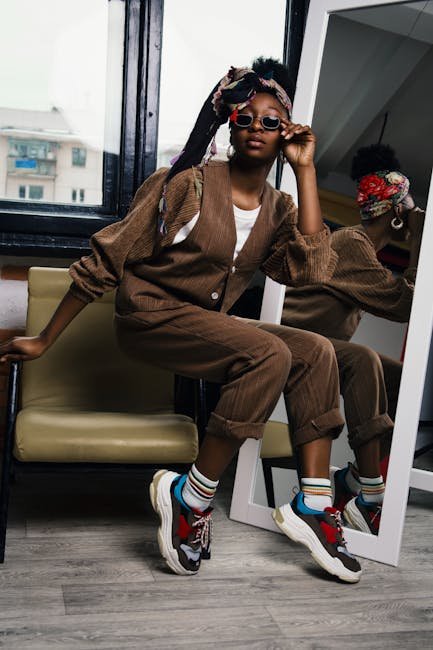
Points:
x=23 y=348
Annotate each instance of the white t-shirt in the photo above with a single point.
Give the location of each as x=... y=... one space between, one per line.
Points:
x=244 y=221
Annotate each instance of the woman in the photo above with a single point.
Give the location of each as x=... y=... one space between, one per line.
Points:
x=191 y=242
x=360 y=283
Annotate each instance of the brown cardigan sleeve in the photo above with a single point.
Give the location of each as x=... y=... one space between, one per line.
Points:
x=369 y=284
x=296 y=259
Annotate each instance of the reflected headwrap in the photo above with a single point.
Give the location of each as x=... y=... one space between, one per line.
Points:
x=379 y=191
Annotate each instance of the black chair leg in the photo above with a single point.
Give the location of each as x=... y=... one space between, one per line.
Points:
x=201 y=408
x=269 y=483
x=7 y=454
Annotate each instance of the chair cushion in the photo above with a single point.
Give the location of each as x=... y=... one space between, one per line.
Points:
x=276 y=441
x=66 y=435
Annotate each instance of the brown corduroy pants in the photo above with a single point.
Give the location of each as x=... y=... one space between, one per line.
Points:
x=369 y=384
x=255 y=362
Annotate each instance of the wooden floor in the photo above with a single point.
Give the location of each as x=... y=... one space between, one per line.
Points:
x=83 y=571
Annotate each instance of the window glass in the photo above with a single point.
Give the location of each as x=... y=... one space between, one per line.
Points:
x=36 y=192
x=78 y=157
x=61 y=96
x=201 y=41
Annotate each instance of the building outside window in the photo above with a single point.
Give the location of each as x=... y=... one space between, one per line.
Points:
x=78 y=157
x=22 y=192
x=81 y=196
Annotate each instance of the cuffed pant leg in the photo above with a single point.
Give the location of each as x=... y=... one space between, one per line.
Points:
x=311 y=391
x=364 y=392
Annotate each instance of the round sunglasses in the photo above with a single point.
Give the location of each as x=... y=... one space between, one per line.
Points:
x=268 y=122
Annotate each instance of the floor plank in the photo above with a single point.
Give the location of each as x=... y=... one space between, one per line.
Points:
x=172 y=628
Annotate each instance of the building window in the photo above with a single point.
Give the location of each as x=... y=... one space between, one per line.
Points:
x=78 y=157
x=75 y=193
x=22 y=192
x=36 y=192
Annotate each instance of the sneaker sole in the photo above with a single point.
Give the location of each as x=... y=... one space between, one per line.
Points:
x=299 y=531
x=355 y=519
x=160 y=498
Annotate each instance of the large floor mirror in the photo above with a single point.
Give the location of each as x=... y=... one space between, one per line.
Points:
x=364 y=77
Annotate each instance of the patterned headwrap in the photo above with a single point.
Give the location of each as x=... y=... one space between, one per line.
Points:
x=239 y=87
x=379 y=191
x=233 y=92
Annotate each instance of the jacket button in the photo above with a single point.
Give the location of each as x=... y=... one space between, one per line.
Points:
x=214 y=295
x=233 y=269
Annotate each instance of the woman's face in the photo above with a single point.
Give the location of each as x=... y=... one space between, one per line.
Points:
x=255 y=143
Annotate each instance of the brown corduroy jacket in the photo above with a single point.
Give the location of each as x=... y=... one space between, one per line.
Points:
x=153 y=274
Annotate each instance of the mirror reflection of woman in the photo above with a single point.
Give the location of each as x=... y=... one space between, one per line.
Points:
x=192 y=240
x=360 y=283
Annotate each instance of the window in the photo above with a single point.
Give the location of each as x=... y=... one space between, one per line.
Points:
x=78 y=157
x=75 y=193
x=61 y=107
x=36 y=192
x=86 y=98
x=263 y=36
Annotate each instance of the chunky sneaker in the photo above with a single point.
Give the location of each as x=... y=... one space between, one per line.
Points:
x=362 y=515
x=342 y=493
x=184 y=534
x=321 y=532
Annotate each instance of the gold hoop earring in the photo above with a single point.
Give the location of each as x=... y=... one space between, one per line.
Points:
x=230 y=151
x=397 y=223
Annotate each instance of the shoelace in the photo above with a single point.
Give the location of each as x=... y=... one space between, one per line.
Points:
x=376 y=514
x=204 y=528
x=336 y=516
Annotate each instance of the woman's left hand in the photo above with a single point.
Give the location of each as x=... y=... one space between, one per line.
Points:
x=298 y=144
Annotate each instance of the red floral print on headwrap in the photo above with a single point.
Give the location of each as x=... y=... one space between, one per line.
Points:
x=379 y=191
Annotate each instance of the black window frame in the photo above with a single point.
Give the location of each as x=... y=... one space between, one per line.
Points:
x=55 y=230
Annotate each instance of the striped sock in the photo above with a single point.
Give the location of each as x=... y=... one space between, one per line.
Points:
x=372 y=489
x=198 y=490
x=317 y=493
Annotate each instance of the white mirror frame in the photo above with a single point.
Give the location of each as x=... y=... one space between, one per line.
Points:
x=386 y=546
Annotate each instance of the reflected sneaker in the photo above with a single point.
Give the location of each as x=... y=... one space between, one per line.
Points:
x=184 y=535
x=321 y=532
x=342 y=493
x=362 y=515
